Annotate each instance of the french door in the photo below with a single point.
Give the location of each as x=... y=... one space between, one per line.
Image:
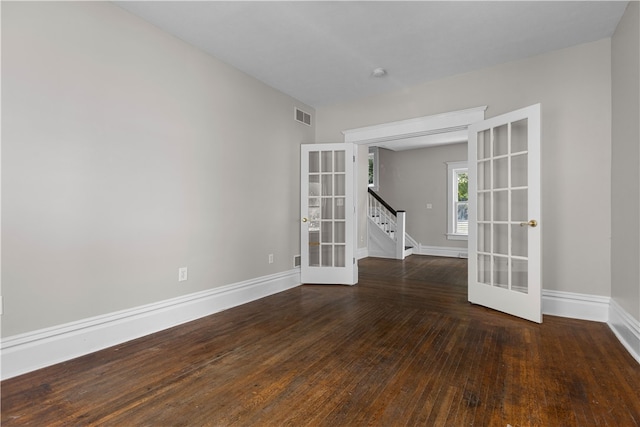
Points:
x=327 y=232
x=504 y=213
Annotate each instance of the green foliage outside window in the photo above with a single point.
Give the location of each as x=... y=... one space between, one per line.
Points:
x=463 y=186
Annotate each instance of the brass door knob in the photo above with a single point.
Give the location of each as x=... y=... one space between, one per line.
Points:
x=304 y=220
x=531 y=223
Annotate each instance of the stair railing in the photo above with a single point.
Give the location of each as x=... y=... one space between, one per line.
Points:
x=389 y=220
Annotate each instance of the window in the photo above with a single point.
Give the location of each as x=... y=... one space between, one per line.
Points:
x=458 y=201
x=373 y=168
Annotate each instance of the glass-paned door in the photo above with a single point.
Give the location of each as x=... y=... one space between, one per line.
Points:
x=504 y=213
x=328 y=215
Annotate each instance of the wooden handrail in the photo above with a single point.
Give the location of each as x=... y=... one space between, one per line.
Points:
x=382 y=202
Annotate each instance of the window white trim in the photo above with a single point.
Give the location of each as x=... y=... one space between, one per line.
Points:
x=453 y=168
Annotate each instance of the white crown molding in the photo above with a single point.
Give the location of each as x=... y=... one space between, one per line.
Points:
x=34 y=350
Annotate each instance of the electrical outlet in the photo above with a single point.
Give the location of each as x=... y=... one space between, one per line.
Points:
x=270 y=258
x=182 y=274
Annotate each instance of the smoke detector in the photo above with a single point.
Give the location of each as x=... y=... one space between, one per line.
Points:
x=379 y=72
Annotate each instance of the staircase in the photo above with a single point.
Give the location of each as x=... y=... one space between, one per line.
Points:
x=387 y=234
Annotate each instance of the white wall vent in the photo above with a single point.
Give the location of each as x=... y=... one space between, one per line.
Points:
x=296 y=261
x=302 y=117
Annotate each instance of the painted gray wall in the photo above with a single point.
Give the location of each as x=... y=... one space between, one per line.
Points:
x=126 y=154
x=410 y=179
x=625 y=173
x=574 y=87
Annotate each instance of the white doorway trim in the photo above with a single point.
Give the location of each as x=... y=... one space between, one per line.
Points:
x=420 y=132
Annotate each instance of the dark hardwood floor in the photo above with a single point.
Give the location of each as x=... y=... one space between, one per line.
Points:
x=402 y=348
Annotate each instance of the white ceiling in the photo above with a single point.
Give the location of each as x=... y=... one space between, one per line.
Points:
x=323 y=53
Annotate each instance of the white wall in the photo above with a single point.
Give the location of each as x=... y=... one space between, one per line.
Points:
x=410 y=179
x=574 y=87
x=127 y=154
x=625 y=188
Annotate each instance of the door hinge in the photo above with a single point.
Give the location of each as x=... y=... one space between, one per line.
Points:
x=354 y=159
x=354 y=261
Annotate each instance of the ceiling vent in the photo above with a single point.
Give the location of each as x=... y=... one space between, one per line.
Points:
x=302 y=117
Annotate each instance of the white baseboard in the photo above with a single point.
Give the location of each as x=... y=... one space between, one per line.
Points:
x=444 y=251
x=34 y=350
x=575 y=306
x=362 y=253
x=626 y=328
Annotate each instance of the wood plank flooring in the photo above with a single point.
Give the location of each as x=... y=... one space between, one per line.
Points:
x=401 y=348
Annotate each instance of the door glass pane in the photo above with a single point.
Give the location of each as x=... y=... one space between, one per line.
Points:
x=340 y=185
x=327 y=185
x=314 y=162
x=500 y=141
x=501 y=239
x=314 y=185
x=339 y=256
x=327 y=255
x=314 y=249
x=520 y=240
x=519 y=170
x=314 y=218
x=339 y=208
x=339 y=229
x=327 y=232
x=519 y=273
x=484 y=238
x=339 y=161
x=501 y=205
x=327 y=208
x=519 y=135
x=484 y=207
x=501 y=272
x=519 y=208
x=327 y=161
x=500 y=175
x=484 y=144
x=484 y=269
x=484 y=175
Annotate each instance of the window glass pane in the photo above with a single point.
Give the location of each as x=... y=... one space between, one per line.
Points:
x=463 y=186
x=462 y=218
x=484 y=207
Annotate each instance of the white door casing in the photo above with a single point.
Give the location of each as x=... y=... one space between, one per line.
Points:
x=328 y=217
x=504 y=213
